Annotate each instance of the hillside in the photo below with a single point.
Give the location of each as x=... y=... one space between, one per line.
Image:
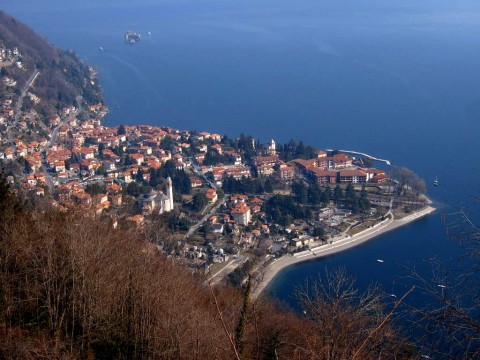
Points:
x=105 y=293
x=63 y=77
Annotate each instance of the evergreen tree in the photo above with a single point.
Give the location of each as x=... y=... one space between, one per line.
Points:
x=350 y=192
x=268 y=186
x=199 y=201
x=300 y=191
x=326 y=195
x=121 y=130
x=337 y=194
x=314 y=195
x=139 y=176
x=167 y=143
x=300 y=150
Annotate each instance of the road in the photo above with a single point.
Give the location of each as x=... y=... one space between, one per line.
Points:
x=53 y=138
x=19 y=104
x=231 y=265
x=206 y=217
x=198 y=172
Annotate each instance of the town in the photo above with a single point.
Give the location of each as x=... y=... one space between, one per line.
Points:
x=226 y=203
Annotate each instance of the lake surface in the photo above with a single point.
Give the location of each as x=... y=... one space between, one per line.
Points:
x=395 y=79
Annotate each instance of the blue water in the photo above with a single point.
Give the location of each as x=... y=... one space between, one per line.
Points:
x=395 y=79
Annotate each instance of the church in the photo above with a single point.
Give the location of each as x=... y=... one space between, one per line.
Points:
x=157 y=201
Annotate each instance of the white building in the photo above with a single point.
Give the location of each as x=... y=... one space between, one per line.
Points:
x=271 y=148
x=157 y=200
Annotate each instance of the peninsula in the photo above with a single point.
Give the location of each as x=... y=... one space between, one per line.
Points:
x=225 y=207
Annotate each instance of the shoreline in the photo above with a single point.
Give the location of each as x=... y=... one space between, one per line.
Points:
x=343 y=243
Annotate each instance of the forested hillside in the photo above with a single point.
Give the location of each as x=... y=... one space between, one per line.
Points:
x=63 y=77
x=74 y=287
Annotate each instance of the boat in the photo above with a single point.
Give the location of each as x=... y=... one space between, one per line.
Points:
x=435 y=182
x=149 y=33
x=101 y=48
x=380 y=260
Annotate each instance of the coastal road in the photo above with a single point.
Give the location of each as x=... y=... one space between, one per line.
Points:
x=227 y=269
x=339 y=245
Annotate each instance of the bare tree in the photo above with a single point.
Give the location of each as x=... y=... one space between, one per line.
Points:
x=348 y=323
x=450 y=318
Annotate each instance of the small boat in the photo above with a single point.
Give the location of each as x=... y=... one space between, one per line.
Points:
x=435 y=182
x=149 y=33
x=101 y=48
x=380 y=260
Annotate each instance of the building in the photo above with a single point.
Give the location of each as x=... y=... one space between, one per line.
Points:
x=271 y=148
x=352 y=176
x=157 y=201
x=323 y=176
x=286 y=172
x=212 y=196
x=241 y=214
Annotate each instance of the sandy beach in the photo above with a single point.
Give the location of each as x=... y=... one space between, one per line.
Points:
x=338 y=244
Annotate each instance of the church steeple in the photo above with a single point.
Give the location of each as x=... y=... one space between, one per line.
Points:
x=170 y=192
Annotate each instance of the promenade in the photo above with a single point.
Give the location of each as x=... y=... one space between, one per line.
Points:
x=335 y=245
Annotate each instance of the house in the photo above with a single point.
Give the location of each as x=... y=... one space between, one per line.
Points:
x=31 y=180
x=127 y=176
x=301 y=241
x=216 y=137
x=286 y=172
x=379 y=179
x=204 y=135
x=136 y=219
x=83 y=199
x=296 y=242
x=87 y=153
x=217 y=148
x=137 y=158
x=199 y=158
x=59 y=166
x=179 y=165
x=195 y=181
x=40 y=178
x=8 y=154
x=241 y=214
x=202 y=148
x=212 y=196
x=237 y=158
x=217 y=228
x=109 y=165
x=340 y=161
x=99 y=199
x=371 y=173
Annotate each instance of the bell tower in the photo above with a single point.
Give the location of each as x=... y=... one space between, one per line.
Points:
x=170 y=193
